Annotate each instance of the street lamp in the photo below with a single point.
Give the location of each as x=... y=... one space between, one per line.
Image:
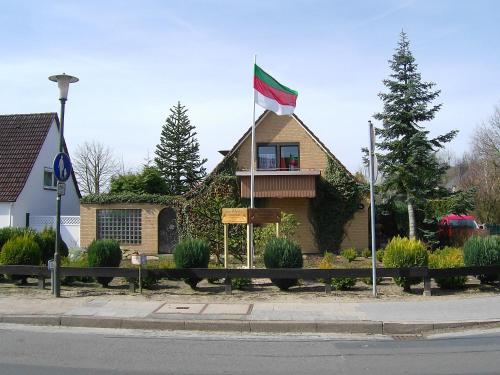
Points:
x=63 y=81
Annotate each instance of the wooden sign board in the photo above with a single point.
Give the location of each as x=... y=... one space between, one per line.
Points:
x=264 y=215
x=251 y=215
x=235 y=216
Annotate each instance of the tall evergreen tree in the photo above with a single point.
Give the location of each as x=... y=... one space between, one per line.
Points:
x=408 y=160
x=177 y=154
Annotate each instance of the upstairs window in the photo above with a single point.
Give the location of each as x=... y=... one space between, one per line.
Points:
x=283 y=157
x=49 y=179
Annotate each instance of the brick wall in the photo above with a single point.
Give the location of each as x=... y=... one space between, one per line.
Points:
x=149 y=219
x=356 y=230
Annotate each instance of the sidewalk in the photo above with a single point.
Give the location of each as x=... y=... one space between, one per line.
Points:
x=372 y=317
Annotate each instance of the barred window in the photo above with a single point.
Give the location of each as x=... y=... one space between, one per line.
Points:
x=123 y=225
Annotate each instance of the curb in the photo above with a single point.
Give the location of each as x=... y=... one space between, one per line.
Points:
x=248 y=326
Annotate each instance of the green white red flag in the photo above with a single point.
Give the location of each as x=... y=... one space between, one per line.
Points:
x=272 y=95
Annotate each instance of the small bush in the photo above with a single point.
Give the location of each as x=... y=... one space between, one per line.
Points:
x=379 y=254
x=192 y=253
x=283 y=253
x=21 y=250
x=343 y=283
x=402 y=253
x=8 y=233
x=240 y=283
x=47 y=241
x=349 y=254
x=449 y=257
x=263 y=234
x=482 y=251
x=366 y=253
x=104 y=253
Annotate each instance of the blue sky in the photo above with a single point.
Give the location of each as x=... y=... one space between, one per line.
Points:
x=135 y=59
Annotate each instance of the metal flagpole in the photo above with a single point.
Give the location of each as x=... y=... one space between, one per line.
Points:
x=372 y=207
x=252 y=174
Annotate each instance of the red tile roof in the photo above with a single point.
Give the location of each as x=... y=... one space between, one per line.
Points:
x=21 y=138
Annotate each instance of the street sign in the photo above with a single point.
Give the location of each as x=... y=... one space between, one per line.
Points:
x=61 y=188
x=264 y=215
x=62 y=166
x=139 y=259
x=50 y=264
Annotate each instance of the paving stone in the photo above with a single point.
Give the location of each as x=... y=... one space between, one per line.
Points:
x=275 y=326
x=391 y=328
x=217 y=325
x=32 y=320
x=227 y=308
x=355 y=326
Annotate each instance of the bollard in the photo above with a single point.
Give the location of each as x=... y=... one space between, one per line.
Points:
x=131 y=286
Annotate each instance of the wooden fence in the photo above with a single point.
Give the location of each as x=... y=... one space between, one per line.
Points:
x=42 y=272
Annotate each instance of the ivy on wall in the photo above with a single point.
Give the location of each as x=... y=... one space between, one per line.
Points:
x=129 y=197
x=200 y=216
x=338 y=196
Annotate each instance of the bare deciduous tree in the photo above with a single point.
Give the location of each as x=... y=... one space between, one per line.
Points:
x=481 y=169
x=94 y=165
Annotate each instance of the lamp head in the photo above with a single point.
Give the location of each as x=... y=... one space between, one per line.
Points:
x=63 y=81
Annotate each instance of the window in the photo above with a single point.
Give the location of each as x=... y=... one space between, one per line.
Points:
x=288 y=159
x=125 y=225
x=49 y=179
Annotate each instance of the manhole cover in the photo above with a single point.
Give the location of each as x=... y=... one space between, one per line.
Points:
x=185 y=308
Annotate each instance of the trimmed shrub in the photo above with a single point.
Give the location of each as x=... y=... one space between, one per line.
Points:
x=47 y=241
x=21 y=250
x=366 y=253
x=403 y=253
x=482 y=251
x=192 y=253
x=283 y=253
x=449 y=257
x=8 y=233
x=349 y=254
x=104 y=253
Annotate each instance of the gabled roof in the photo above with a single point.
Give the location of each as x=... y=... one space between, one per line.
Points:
x=260 y=120
x=21 y=139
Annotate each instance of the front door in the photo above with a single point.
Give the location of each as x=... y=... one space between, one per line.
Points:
x=167 y=231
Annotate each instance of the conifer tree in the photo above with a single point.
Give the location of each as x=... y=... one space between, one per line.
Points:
x=177 y=154
x=408 y=160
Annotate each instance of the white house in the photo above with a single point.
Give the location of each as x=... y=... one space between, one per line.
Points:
x=28 y=145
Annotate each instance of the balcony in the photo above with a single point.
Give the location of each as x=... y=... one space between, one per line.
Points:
x=280 y=184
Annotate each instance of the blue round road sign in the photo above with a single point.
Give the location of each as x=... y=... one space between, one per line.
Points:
x=62 y=166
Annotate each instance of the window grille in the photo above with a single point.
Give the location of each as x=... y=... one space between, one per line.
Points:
x=123 y=225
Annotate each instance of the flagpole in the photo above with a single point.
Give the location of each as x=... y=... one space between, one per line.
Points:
x=372 y=207
x=252 y=173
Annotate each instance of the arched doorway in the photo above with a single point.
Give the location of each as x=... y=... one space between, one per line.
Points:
x=167 y=231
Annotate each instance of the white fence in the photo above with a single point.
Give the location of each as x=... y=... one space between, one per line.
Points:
x=70 y=227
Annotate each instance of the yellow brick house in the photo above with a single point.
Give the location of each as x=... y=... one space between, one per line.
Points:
x=289 y=161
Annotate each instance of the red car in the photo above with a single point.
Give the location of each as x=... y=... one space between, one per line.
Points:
x=455 y=229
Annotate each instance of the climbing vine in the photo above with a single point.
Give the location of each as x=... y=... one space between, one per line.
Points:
x=338 y=196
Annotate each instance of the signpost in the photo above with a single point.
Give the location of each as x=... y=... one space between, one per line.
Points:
x=140 y=260
x=248 y=216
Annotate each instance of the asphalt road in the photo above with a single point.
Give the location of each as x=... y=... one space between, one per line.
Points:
x=50 y=350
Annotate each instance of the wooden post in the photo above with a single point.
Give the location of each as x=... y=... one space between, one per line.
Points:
x=226 y=253
x=249 y=256
x=277 y=230
x=427 y=286
x=131 y=286
x=227 y=285
x=328 y=286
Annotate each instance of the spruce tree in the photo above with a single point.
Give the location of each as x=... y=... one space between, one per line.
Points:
x=408 y=160
x=177 y=154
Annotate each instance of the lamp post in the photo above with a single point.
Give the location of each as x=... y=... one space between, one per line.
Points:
x=63 y=81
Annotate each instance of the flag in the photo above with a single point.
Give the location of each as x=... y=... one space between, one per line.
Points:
x=272 y=95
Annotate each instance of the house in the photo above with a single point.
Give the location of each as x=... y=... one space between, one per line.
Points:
x=28 y=145
x=290 y=159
